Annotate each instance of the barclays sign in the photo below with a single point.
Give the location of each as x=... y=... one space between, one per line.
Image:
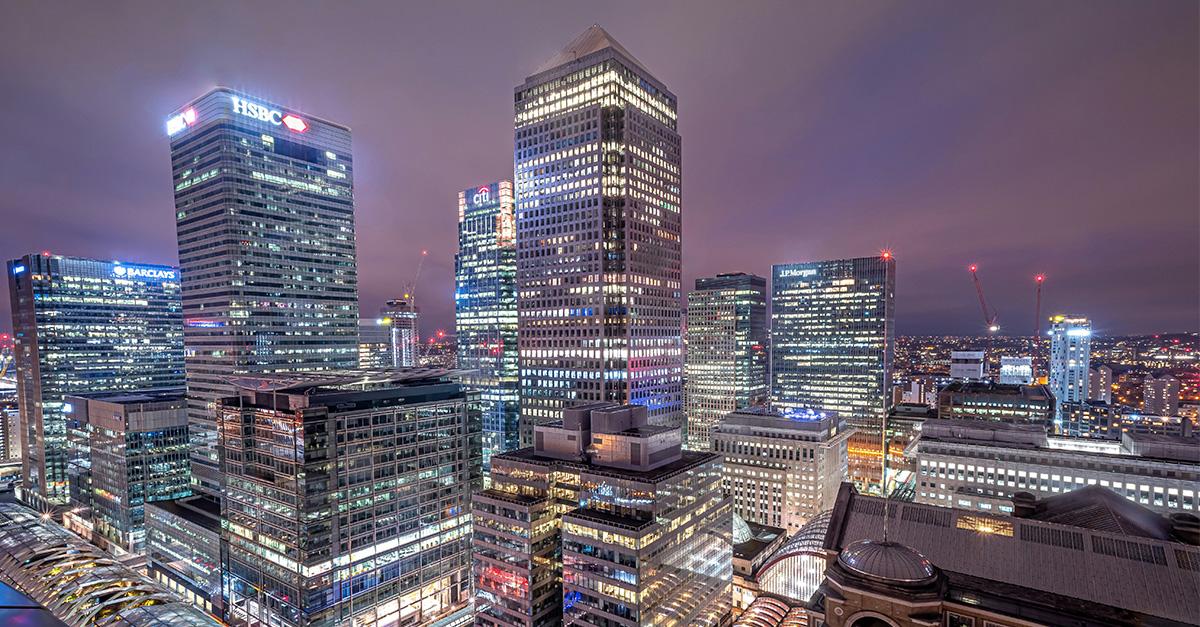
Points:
x=144 y=272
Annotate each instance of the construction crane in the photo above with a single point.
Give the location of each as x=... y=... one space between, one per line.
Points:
x=989 y=315
x=410 y=292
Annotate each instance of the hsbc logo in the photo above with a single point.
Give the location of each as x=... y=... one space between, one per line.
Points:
x=482 y=195
x=266 y=114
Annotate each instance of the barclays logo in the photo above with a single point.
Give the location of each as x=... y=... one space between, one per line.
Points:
x=139 y=272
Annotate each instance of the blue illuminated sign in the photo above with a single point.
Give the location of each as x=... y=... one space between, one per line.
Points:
x=144 y=272
x=18 y=269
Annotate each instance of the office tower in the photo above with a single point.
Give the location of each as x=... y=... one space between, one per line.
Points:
x=1016 y=370
x=183 y=549
x=726 y=356
x=967 y=365
x=1070 y=354
x=346 y=498
x=781 y=470
x=485 y=310
x=402 y=318
x=1100 y=381
x=980 y=464
x=138 y=443
x=1017 y=404
x=374 y=343
x=832 y=337
x=605 y=520
x=598 y=235
x=78 y=582
x=1160 y=397
x=85 y=325
x=264 y=210
x=1084 y=558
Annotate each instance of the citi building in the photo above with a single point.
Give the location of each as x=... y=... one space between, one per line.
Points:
x=264 y=208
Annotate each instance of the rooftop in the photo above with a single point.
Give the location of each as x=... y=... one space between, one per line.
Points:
x=1036 y=558
x=136 y=397
x=687 y=461
x=1031 y=392
x=199 y=510
x=592 y=40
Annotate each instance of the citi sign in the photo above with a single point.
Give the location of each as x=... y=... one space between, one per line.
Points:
x=482 y=195
x=266 y=114
x=138 y=272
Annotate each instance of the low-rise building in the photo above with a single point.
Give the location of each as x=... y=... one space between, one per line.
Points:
x=753 y=544
x=1018 y=404
x=183 y=549
x=980 y=464
x=1089 y=557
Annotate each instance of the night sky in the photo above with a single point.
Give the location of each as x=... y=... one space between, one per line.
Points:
x=1059 y=137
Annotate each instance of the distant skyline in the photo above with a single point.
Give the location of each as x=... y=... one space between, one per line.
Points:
x=1023 y=136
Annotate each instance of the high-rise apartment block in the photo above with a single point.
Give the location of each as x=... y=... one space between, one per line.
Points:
x=401 y=318
x=1160 y=396
x=346 y=498
x=79 y=326
x=485 y=310
x=137 y=454
x=967 y=365
x=726 y=360
x=1100 y=380
x=604 y=521
x=782 y=470
x=599 y=221
x=1016 y=370
x=832 y=339
x=1070 y=355
x=264 y=209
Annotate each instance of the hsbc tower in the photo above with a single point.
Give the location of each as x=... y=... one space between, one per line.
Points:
x=264 y=210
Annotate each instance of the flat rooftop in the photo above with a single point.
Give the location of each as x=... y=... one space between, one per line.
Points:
x=199 y=510
x=687 y=461
x=1031 y=392
x=136 y=397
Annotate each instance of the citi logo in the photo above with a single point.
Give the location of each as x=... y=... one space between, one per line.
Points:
x=266 y=114
x=482 y=195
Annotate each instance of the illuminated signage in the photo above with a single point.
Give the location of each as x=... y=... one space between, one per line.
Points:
x=797 y=272
x=263 y=113
x=482 y=195
x=179 y=122
x=143 y=272
x=18 y=269
x=203 y=324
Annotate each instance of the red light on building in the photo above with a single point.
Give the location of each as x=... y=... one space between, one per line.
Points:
x=886 y=254
x=294 y=123
x=972 y=267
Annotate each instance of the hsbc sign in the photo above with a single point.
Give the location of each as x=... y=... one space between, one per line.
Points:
x=264 y=113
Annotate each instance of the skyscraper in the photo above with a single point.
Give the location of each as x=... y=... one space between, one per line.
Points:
x=726 y=360
x=402 y=320
x=264 y=208
x=347 y=498
x=79 y=326
x=1070 y=355
x=485 y=309
x=1100 y=381
x=599 y=220
x=832 y=338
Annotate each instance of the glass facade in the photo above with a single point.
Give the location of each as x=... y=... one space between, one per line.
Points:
x=79 y=326
x=832 y=339
x=485 y=309
x=264 y=208
x=138 y=445
x=346 y=500
x=597 y=167
x=726 y=357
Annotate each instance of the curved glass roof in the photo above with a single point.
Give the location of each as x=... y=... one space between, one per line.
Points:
x=79 y=583
x=810 y=540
